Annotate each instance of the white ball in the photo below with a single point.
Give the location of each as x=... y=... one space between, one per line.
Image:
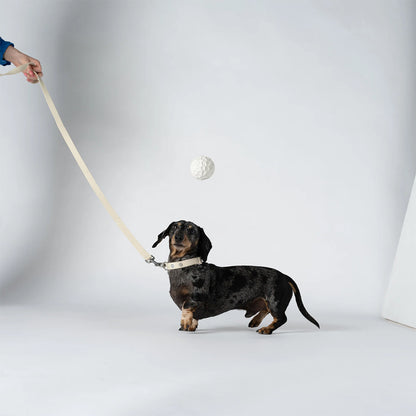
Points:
x=202 y=167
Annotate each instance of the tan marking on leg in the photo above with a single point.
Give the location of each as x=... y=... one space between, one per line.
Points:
x=257 y=320
x=188 y=323
x=293 y=287
x=268 y=329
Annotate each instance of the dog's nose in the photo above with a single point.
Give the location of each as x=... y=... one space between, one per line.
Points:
x=178 y=238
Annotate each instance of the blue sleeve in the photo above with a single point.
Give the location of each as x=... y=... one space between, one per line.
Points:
x=3 y=46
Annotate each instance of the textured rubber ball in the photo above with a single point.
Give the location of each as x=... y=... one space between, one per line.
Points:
x=202 y=167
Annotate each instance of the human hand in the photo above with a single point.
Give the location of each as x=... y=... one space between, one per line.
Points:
x=18 y=58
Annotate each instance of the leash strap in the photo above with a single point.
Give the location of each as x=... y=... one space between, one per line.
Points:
x=149 y=258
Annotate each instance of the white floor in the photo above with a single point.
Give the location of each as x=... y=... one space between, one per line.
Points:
x=124 y=363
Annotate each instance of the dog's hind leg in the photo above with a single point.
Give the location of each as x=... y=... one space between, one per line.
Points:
x=257 y=306
x=256 y=321
x=277 y=322
x=277 y=309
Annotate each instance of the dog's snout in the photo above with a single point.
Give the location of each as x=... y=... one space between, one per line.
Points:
x=179 y=237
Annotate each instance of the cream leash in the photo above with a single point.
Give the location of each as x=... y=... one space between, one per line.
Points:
x=148 y=258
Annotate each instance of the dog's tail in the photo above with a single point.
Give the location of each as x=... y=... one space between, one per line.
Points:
x=299 y=302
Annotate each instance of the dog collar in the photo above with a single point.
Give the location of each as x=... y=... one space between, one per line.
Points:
x=183 y=263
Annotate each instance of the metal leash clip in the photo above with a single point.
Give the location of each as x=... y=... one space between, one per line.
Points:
x=151 y=260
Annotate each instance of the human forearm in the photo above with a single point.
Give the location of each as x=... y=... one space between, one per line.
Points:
x=18 y=58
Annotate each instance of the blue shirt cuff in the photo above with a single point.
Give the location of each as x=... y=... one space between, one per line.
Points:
x=3 y=46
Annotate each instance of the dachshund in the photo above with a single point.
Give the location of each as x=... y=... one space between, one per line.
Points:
x=202 y=290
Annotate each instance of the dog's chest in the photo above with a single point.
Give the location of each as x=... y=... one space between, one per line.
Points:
x=186 y=282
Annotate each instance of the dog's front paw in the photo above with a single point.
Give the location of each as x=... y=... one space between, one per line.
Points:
x=188 y=325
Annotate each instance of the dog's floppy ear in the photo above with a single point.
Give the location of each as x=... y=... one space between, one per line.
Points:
x=204 y=245
x=162 y=235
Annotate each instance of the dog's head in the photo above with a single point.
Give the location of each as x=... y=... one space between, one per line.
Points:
x=185 y=239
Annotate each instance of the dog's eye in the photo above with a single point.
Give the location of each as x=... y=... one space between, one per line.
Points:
x=191 y=231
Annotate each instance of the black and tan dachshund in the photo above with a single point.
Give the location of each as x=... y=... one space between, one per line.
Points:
x=202 y=290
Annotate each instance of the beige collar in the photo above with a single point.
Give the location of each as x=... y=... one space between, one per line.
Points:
x=183 y=263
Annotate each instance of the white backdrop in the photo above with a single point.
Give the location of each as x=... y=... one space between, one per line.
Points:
x=306 y=107
x=399 y=305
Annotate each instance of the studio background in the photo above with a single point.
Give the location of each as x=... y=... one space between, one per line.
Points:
x=306 y=107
